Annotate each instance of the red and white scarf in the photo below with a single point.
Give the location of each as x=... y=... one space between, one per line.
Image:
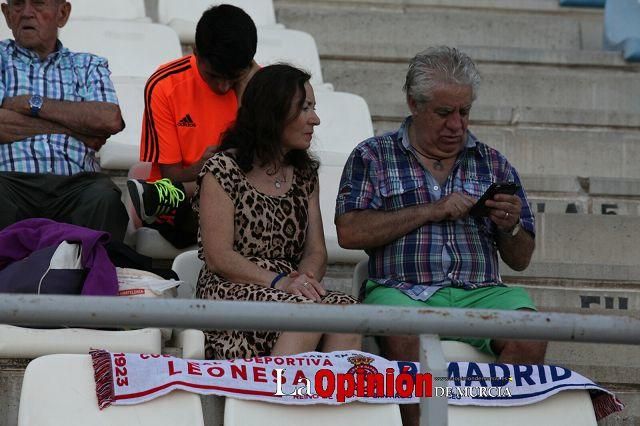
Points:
x=124 y=379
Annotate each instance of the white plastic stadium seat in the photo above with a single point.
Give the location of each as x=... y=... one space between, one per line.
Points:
x=294 y=47
x=122 y=150
x=19 y=342
x=239 y=412
x=464 y=352
x=132 y=48
x=564 y=408
x=60 y=390
x=150 y=243
x=345 y=121
x=360 y=273
x=184 y=19
x=187 y=266
x=331 y=165
x=191 y=342
x=112 y=9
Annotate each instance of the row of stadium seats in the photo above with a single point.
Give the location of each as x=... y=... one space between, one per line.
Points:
x=345 y=120
x=60 y=390
x=170 y=12
x=58 y=387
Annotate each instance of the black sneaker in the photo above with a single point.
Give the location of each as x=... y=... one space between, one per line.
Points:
x=151 y=199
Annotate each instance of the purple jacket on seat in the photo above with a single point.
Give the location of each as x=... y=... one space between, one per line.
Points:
x=17 y=241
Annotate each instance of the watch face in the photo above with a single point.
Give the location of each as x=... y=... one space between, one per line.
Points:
x=35 y=101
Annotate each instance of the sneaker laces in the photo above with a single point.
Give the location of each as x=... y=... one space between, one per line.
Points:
x=169 y=197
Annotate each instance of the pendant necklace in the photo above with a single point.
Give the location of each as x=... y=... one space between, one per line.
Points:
x=437 y=162
x=279 y=180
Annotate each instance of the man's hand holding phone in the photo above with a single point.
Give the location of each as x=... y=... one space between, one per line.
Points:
x=453 y=207
x=501 y=205
x=505 y=211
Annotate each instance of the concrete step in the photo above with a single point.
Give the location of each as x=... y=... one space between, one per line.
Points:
x=603 y=363
x=541 y=270
x=509 y=94
x=630 y=416
x=568 y=169
x=563 y=151
x=582 y=296
x=516 y=5
x=576 y=293
x=568 y=151
x=11 y=372
x=580 y=195
x=583 y=243
x=584 y=239
x=380 y=30
x=578 y=204
x=564 y=289
x=568 y=246
x=548 y=6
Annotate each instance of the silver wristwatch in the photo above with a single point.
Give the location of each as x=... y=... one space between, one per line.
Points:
x=513 y=232
x=35 y=105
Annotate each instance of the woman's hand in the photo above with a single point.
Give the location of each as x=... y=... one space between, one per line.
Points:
x=302 y=285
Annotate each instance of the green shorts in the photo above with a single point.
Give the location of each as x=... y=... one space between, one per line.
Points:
x=493 y=297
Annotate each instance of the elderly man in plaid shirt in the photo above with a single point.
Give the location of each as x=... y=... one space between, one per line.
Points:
x=405 y=198
x=57 y=109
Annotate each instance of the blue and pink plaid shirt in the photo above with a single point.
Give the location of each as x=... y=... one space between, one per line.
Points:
x=383 y=173
x=64 y=76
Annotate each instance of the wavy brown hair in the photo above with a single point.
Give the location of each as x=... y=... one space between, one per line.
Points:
x=256 y=135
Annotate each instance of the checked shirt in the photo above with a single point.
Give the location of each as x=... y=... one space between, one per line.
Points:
x=64 y=76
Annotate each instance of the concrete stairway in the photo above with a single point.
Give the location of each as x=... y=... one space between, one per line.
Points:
x=565 y=112
x=539 y=66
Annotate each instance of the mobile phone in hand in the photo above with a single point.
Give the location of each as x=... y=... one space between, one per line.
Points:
x=479 y=209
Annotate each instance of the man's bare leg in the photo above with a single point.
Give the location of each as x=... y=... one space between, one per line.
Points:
x=519 y=351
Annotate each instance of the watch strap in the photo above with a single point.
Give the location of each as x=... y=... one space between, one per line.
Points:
x=35 y=105
x=511 y=233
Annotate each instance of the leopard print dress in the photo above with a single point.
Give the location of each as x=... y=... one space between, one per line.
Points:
x=270 y=231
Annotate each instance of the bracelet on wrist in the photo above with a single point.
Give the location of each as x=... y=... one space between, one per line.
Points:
x=277 y=278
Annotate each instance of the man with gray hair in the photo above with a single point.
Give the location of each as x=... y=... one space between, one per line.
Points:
x=405 y=197
x=57 y=109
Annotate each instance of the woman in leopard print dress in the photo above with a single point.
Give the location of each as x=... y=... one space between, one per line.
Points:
x=261 y=232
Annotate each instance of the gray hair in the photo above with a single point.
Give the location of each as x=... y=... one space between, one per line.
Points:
x=436 y=66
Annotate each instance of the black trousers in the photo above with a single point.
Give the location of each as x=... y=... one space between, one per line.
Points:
x=87 y=199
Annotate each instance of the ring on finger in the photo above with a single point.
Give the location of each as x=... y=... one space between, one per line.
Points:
x=305 y=284
x=506 y=215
